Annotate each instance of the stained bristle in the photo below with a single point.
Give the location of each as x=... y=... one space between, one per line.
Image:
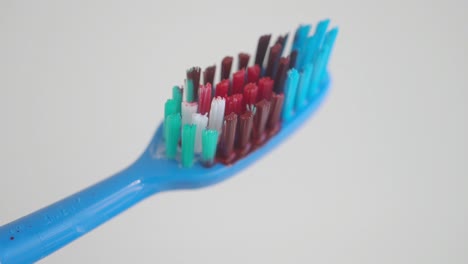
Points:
x=222 y=89
x=281 y=75
x=250 y=93
x=201 y=121
x=177 y=96
x=209 y=144
x=244 y=132
x=262 y=47
x=172 y=125
x=235 y=104
x=243 y=60
x=265 y=88
x=188 y=144
x=216 y=116
x=193 y=74
x=204 y=99
x=273 y=58
x=260 y=120
x=209 y=74
x=238 y=81
x=226 y=143
x=188 y=109
x=290 y=94
x=253 y=74
x=277 y=101
x=226 y=65
x=292 y=59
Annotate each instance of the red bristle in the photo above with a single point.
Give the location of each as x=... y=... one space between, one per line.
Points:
x=265 y=88
x=273 y=124
x=261 y=117
x=243 y=60
x=281 y=75
x=226 y=65
x=222 y=89
x=209 y=74
x=282 y=40
x=193 y=74
x=234 y=104
x=204 y=99
x=238 y=81
x=262 y=46
x=244 y=133
x=250 y=94
x=253 y=73
x=273 y=58
x=226 y=143
x=292 y=59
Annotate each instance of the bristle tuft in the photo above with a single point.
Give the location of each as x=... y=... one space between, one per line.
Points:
x=253 y=74
x=260 y=120
x=201 y=121
x=209 y=74
x=250 y=93
x=204 y=99
x=188 y=144
x=216 y=116
x=172 y=125
x=265 y=88
x=280 y=76
x=290 y=94
x=243 y=60
x=226 y=143
x=226 y=65
x=209 y=144
x=238 y=82
x=273 y=59
x=262 y=47
x=235 y=104
x=188 y=109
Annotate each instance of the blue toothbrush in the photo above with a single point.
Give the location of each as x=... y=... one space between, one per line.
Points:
x=40 y=233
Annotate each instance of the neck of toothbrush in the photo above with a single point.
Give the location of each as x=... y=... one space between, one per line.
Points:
x=225 y=122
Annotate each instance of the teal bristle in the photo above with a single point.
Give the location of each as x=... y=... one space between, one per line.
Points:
x=189 y=95
x=172 y=131
x=303 y=88
x=209 y=144
x=177 y=96
x=300 y=37
x=170 y=107
x=188 y=145
x=290 y=94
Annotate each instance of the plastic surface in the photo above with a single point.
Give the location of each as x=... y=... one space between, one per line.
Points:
x=39 y=234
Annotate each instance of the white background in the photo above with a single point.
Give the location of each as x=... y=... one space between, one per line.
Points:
x=378 y=175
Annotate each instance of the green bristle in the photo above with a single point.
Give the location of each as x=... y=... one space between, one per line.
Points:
x=177 y=96
x=189 y=91
x=188 y=145
x=170 y=107
x=172 y=131
x=209 y=143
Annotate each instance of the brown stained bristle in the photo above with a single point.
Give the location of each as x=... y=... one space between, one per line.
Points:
x=273 y=125
x=243 y=60
x=282 y=41
x=193 y=74
x=244 y=133
x=209 y=74
x=260 y=120
x=253 y=74
x=222 y=89
x=292 y=59
x=234 y=104
x=226 y=65
x=250 y=94
x=281 y=75
x=262 y=47
x=238 y=81
x=273 y=58
x=226 y=144
x=265 y=88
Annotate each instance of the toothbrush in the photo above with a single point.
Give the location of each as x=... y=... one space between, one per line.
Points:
x=209 y=133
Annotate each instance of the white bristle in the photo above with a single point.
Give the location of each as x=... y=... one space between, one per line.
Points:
x=188 y=109
x=201 y=121
x=217 y=114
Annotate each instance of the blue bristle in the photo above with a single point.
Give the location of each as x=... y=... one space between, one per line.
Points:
x=303 y=87
x=308 y=53
x=300 y=42
x=329 y=42
x=319 y=34
x=317 y=72
x=290 y=94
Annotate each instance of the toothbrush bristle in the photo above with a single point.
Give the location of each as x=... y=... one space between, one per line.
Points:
x=226 y=65
x=262 y=47
x=227 y=121
x=243 y=60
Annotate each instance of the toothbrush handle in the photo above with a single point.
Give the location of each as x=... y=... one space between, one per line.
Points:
x=39 y=234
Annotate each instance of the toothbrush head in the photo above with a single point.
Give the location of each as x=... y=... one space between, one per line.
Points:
x=212 y=131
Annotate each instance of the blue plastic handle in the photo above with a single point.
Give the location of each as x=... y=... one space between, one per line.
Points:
x=39 y=234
